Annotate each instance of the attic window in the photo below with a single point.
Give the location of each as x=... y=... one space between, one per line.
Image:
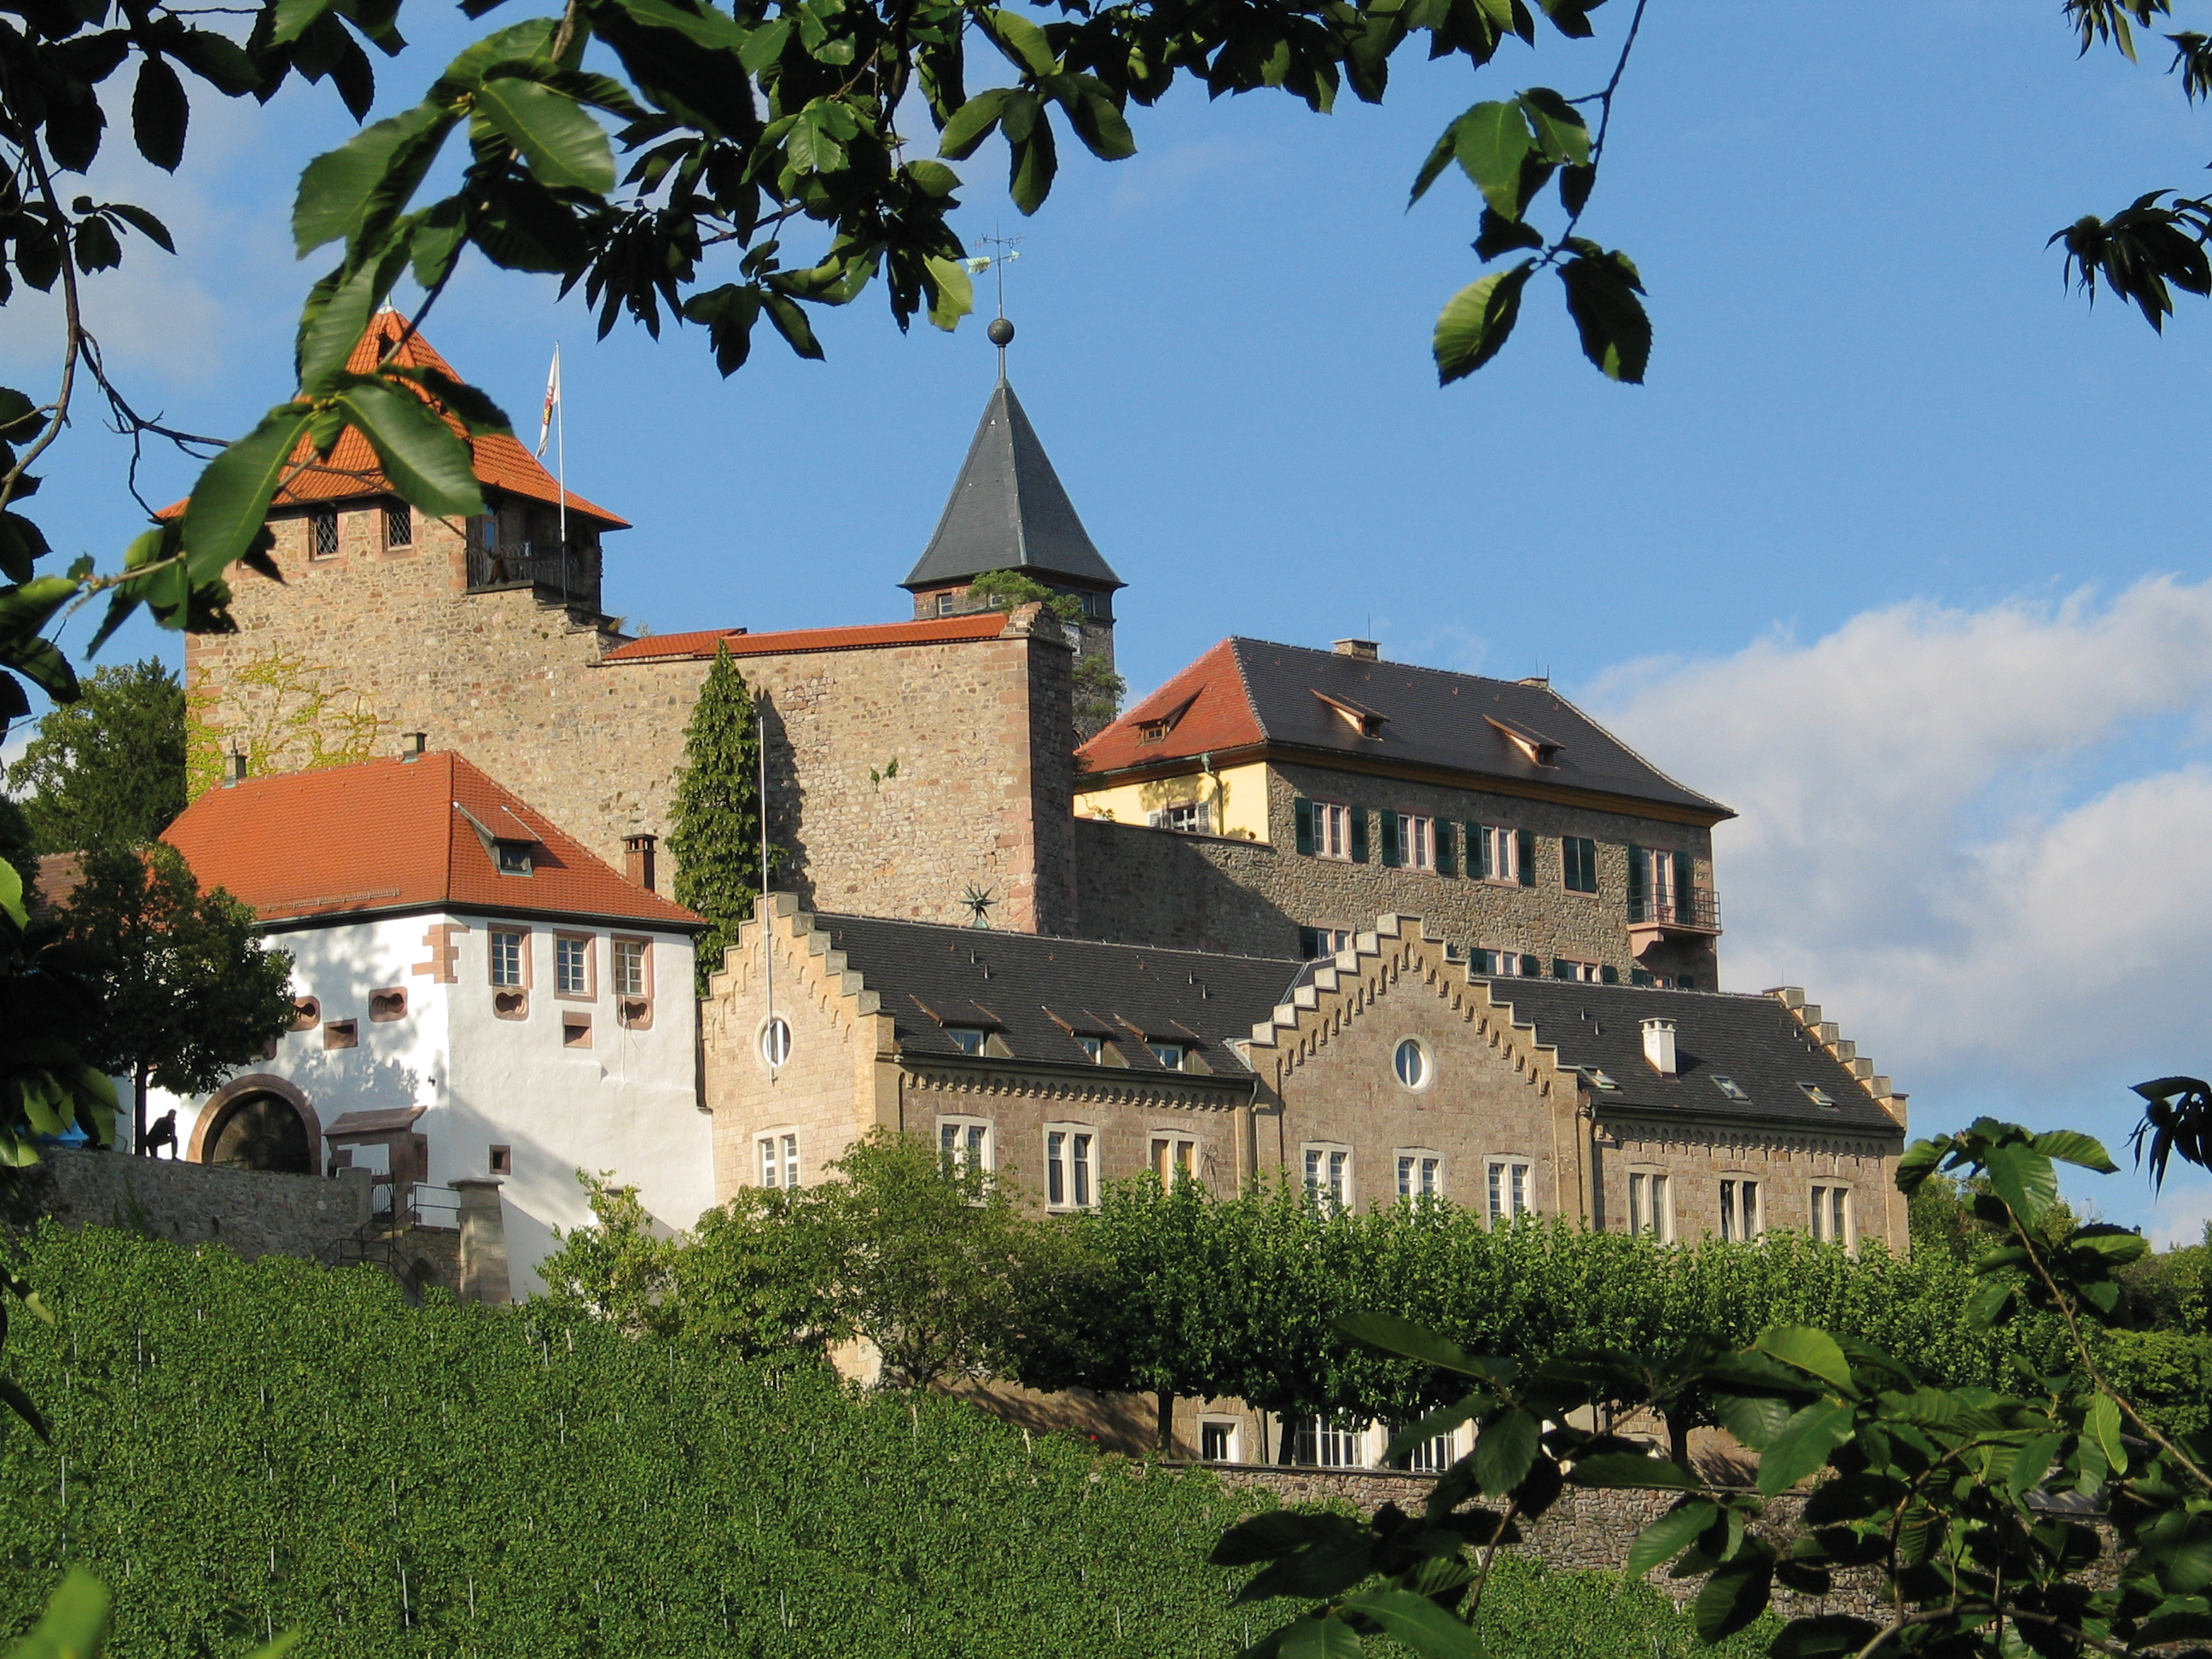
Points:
x=968 y=1039
x=1817 y=1097
x=1533 y=745
x=1596 y=1078
x=1154 y=728
x=1169 y=1054
x=1364 y=721
x=1729 y=1087
x=513 y=856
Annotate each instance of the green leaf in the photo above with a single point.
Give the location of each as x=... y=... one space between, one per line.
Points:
x=1491 y=141
x=565 y=147
x=1807 y=1349
x=1616 y=335
x=1504 y=1450
x=1476 y=322
x=144 y=222
x=328 y=332
x=339 y=186
x=972 y=123
x=1561 y=133
x=1440 y=157
x=2103 y=1427
x=2069 y=1147
x=1273 y=1534
x=292 y=17
x=953 y=295
x=1441 y=1421
x=1804 y=1444
x=1735 y=1595
x=791 y=322
x=1826 y=1636
x=282 y=1645
x=1023 y=41
x=160 y=112
x=426 y=462
x=1632 y=1469
x=1036 y=158
x=2031 y=1463
x=765 y=46
x=1417 y=1623
x=75 y=1623
x=1501 y=235
x=1321 y=1638
x=230 y=502
x=2024 y=1178
x=705 y=27
x=1669 y=1536
x=11 y=895
x=1754 y=1419
x=1919 y=1162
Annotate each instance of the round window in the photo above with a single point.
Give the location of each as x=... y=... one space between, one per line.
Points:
x=775 y=1043
x=1412 y=1062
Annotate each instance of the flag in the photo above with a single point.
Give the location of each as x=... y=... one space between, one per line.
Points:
x=552 y=401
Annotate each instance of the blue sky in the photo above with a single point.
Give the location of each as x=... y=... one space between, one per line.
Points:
x=1890 y=552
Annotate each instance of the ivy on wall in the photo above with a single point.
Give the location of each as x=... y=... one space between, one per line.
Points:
x=283 y=713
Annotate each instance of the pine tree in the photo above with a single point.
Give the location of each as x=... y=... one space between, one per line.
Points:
x=714 y=827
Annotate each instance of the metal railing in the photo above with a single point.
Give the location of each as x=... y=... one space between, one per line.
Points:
x=561 y=575
x=1698 y=908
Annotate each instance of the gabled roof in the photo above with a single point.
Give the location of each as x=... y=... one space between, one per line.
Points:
x=1254 y=695
x=391 y=834
x=1038 y=993
x=1754 y=1042
x=352 y=469
x=936 y=630
x=1009 y=512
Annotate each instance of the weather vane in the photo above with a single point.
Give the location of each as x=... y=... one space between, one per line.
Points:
x=1001 y=333
x=979 y=900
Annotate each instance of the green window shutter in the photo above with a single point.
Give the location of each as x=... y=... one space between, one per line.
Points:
x=1637 y=977
x=1483 y=961
x=1358 y=817
x=1308 y=940
x=1608 y=975
x=1635 y=882
x=1442 y=830
x=1302 y=811
x=1562 y=969
x=1478 y=854
x=1687 y=982
x=1527 y=857
x=1393 y=838
x=1568 y=859
x=1530 y=967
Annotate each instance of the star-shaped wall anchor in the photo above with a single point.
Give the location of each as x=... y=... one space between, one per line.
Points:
x=979 y=900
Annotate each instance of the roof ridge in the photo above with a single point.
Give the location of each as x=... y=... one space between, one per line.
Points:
x=1244 y=684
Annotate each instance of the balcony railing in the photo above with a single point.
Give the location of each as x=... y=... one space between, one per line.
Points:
x=1698 y=911
x=561 y=575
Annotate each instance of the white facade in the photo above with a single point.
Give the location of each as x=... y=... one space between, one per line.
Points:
x=558 y=1079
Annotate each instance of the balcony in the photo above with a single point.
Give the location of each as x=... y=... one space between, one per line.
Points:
x=1692 y=912
x=561 y=574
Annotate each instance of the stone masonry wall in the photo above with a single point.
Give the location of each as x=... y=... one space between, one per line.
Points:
x=1158 y=887
x=250 y=1212
x=388 y=641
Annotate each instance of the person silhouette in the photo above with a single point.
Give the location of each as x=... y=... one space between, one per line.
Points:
x=163 y=1133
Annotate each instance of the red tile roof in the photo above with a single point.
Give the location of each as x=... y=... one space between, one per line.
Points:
x=1220 y=716
x=352 y=469
x=390 y=835
x=936 y=630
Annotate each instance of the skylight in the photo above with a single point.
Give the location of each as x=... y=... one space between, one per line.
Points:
x=1817 y=1097
x=1596 y=1078
x=1729 y=1087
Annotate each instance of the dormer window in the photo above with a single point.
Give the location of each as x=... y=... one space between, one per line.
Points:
x=1819 y=1097
x=968 y=1039
x=1154 y=728
x=1365 y=722
x=1535 y=746
x=1169 y=1054
x=513 y=857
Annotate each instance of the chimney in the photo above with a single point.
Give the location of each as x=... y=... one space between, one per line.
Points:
x=414 y=745
x=1659 y=1045
x=1365 y=650
x=234 y=773
x=637 y=859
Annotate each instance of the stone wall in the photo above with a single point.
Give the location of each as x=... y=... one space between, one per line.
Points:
x=376 y=643
x=250 y=1212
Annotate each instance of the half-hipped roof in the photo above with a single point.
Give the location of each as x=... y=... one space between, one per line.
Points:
x=352 y=471
x=1246 y=699
x=1008 y=511
x=355 y=841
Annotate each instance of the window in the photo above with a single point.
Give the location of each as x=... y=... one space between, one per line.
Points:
x=1649 y=1211
x=775 y=1041
x=386 y=1005
x=1432 y=1456
x=575 y=1030
x=1329 y=1176
x=1581 y=972
x=1316 y=942
x=341 y=1033
x=963 y=1143
x=1505 y=964
x=513 y=857
x=1831 y=1214
x=1321 y=1442
x=502 y=1160
x=1578 y=864
x=1500 y=854
x=1509 y=1190
x=322 y=535
x=1420 y=1175
x=1734 y=1091
x=507 y=956
x=572 y=964
x=1412 y=1064
x=968 y=1039
x=1325 y=829
x=307 y=1013
x=1169 y=1054
x=629 y=968
x=1409 y=841
x=1819 y=1097
x=1094 y=1048
x=1738 y=1208
x=1190 y=816
x=1217 y=1441
x=398 y=525
x=945 y=604
x=1175 y=1157
x=779 y=1160
x=1068 y=1170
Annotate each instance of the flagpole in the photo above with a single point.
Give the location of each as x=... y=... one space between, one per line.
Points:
x=560 y=462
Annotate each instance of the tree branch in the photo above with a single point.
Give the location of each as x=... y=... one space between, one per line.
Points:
x=72 y=319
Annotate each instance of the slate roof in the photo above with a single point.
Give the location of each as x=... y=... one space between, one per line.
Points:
x=1753 y=1041
x=1247 y=693
x=701 y=645
x=353 y=469
x=931 y=975
x=1008 y=511
x=389 y=834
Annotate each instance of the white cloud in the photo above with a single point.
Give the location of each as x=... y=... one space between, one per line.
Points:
x=1981 y=839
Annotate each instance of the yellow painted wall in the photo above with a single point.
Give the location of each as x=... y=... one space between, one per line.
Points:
x=1238 y=796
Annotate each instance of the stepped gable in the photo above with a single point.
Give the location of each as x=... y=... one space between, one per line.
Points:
x=1008 y=511
x=388 y=836
x=701 y=645
x=1246 y=697
x=501 y=462
x=1038 y=992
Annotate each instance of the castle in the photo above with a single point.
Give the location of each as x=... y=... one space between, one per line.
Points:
x=1394 y=931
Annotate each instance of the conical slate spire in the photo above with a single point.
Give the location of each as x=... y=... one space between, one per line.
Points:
x=1009 y=512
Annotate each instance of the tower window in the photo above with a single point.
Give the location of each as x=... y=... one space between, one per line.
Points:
x=399 y=526
x=323 y=534
x=945 y=604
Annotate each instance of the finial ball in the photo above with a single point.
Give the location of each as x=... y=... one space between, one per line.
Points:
x=1001 y=333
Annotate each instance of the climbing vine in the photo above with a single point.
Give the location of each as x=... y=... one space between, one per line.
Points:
x=282 y=714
